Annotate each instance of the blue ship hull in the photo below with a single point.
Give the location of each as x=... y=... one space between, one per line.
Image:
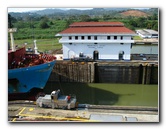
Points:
x=24 y=79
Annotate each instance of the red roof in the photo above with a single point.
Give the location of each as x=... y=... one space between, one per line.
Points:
x=97 y=30
x=97 y=27
x=84 y=24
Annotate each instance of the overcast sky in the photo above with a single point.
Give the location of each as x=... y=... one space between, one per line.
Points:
x=35 y=9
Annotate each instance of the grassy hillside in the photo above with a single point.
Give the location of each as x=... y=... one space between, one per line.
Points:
x=44 y=45
x=30 y=30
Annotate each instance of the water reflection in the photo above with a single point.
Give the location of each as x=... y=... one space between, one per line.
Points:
x=109 y=94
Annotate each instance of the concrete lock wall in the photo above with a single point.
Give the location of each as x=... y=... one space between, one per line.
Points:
x=126 y=73
x=67 y=71
x=100 y=72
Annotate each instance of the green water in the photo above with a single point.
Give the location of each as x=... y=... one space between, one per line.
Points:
x=109 y=94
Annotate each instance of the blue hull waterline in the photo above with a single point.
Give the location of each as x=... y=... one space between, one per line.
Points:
x=24 y=79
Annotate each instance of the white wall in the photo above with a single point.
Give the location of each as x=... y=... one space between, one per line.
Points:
x=106 y=51
x=107 y=48
x=99 y=37
x=145 y=49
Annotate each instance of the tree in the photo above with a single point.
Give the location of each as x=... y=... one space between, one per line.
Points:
x=154 y=17
x=155 y=26
x=51 y=23
x=11 y=20
x=149 y=26
x=68 y=22
x=43 y=24
x=140 y=22
x=85 y=18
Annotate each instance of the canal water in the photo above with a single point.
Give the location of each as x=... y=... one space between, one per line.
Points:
x=109 y=94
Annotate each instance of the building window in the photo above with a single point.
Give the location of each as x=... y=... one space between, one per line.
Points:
x=115 y=37
x=95 y=37
x=121 y=43
x=89 y=37
x=82 y=37
x=76 y=37
x=70 y=43
x=108 y=37
x=121 y=37
x=70 y=38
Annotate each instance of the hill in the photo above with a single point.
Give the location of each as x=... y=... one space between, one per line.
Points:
x=135 y=13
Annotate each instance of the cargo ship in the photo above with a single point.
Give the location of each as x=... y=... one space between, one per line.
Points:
x=27 y=71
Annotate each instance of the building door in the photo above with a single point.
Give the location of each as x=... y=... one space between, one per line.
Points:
x=95 y=55
x=121 y=53
x=71 y=54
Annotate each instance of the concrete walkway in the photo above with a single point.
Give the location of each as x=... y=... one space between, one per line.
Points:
x=33 y=113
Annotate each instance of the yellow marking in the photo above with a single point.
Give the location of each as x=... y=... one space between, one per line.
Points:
x=21 y=111
x=55 y=100
x=14 y=119
x=31 y=109
x=19 y=114
x=59 y=118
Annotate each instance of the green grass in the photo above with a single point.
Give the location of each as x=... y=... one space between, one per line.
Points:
x=24 y=31
x=46 y=39
x=137 y=38
x=42 y=44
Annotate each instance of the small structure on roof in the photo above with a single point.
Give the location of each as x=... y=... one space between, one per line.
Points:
x=97 y=40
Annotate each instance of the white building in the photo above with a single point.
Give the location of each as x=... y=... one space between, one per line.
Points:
x=145 y=46
x=147 y=33
x=98 y=40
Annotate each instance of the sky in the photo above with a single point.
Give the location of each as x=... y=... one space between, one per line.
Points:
x=23 y=9
x=10 y=9
x=36 y=9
